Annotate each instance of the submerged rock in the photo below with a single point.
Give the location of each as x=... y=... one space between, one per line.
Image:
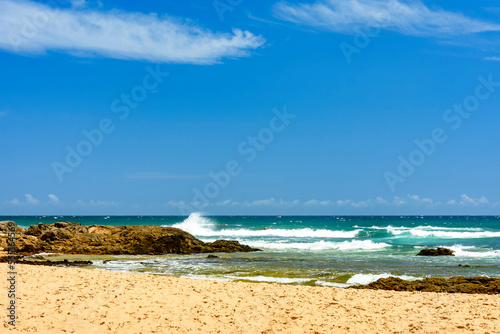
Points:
x=457 y=284
x=440 y=251
x=73 y=238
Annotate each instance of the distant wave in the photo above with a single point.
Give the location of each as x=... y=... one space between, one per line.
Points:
x=319 y=245
x=437 y=231
x=471 y=251
x=455 y=235
x=198 y=225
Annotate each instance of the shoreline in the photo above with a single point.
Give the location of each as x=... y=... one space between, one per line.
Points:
x=453 y=284
x=54 y=299
x=443 y=284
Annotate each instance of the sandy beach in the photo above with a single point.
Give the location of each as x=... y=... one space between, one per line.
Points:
x=73 y=300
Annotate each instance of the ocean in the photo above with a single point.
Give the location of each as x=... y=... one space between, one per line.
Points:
x=313 y=250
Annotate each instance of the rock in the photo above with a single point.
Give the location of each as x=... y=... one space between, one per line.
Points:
x=24 y=244
x=228 y=246
x=212 y=256
x=28 y=244
x=73 y=238
x=457 y=284
x=7 y=226
x=440 y=251
x=464 y=265
x=64 y=263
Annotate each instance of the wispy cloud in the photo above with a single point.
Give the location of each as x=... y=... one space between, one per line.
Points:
x=466 y=200
x=417 y=199
x=31 y=200
x=163 y=176
x=31 y=27
x=93 y=203
x=15 y=201
x=78 y=3
x=409 y=201
x=492 y=58
x=53 y=199
x=405 y=17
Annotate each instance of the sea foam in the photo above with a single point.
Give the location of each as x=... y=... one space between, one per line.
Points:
x=368 y=278
x=439 y=232
x=471 y=251
x=198 y=225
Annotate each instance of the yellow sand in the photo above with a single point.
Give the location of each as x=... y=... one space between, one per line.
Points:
x=72 y=300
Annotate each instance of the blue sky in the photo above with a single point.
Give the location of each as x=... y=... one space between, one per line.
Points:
x=249 y=107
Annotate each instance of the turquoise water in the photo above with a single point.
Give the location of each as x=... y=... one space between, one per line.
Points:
x=314 y=250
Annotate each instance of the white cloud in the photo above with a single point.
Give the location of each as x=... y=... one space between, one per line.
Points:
x=176 y=203
x=426 y=200
x=466 y=200
x=492 y=58
x=286 y=203
x=316 y=202
x=341 y=202
x=78 y=3
x=31 y=200
x=398 y=201
x=31 y=27
x=405 y=17
x=53 y=199
x=95 y=203
x=360 y=204
x=483 y=200
x=413 y=200
x=414 y=197
x=262 y=202
x=420 y=200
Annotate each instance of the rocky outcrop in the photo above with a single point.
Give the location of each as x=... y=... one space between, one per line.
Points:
x=459 y=284
x=440 y=251
x=74 y=238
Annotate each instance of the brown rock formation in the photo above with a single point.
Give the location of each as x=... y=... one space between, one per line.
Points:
x=73 y=238
x=440 y=251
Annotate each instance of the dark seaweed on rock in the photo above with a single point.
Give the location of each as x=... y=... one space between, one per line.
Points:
x=440 y=251
x=59 y=263
x=73 y=238
x=459 y=284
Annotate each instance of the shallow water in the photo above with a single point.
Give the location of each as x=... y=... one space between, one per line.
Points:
x=314 y=250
